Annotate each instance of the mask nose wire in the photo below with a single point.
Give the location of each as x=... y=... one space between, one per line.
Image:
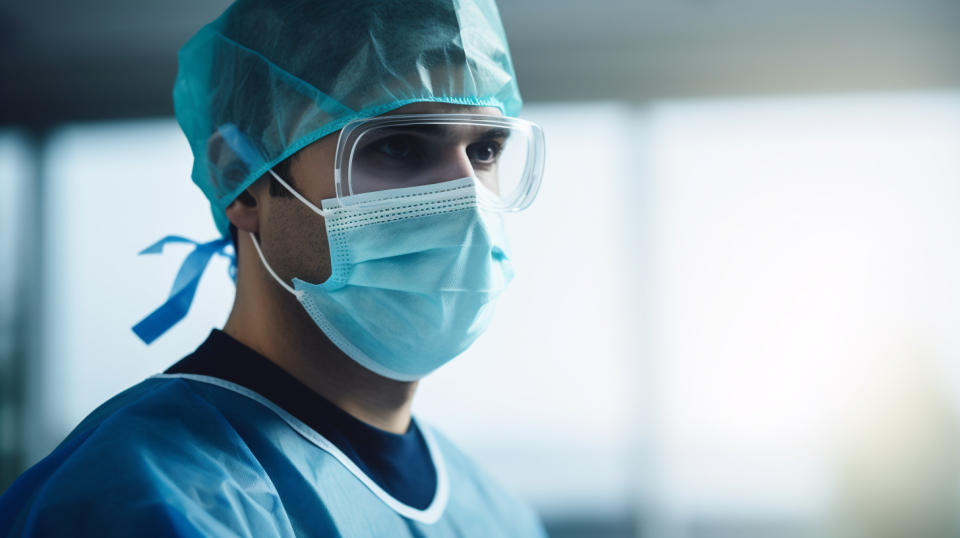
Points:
x=288 y=287
x=299 y=196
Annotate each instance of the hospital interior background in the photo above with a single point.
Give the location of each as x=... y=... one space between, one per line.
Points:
x=737 y=303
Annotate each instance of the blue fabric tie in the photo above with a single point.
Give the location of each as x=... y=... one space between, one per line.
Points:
x=184 y=287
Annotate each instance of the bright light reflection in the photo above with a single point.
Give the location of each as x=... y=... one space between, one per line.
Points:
x=805 y=248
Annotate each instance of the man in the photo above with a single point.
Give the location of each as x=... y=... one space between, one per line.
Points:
x=360 y=156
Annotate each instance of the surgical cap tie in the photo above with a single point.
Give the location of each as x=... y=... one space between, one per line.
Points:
x=184 y=286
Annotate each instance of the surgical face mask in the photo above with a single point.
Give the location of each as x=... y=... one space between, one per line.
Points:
x=415 y=274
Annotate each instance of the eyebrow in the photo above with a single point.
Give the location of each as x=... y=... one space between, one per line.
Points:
x=497 y=132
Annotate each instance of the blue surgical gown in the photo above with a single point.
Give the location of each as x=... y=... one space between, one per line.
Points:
x=195 y=455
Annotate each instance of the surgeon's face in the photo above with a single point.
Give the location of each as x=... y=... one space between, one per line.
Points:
x=292 y=236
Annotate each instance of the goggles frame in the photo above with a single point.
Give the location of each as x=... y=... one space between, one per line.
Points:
x=527 y=186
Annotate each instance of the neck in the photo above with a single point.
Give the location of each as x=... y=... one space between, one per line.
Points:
x=269 y=320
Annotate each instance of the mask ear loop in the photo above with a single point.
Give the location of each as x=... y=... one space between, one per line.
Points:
x=256 y=244
x=288 y=287
x=299 y=196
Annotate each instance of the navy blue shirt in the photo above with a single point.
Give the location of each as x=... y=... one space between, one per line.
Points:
x=398 y=463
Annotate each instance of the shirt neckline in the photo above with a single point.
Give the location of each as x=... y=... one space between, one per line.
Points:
x=431 y=514
x=388 y=460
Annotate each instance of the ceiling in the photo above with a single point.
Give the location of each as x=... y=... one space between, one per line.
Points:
x=68 y=61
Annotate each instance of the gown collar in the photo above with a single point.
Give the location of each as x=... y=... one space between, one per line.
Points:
x=401 y=464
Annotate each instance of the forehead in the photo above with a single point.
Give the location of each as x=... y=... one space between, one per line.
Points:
x=444 y=108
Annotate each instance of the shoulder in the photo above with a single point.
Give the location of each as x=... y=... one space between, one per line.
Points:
x=160 y=455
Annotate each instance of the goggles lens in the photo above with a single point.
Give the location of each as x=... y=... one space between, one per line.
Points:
x=391 y=152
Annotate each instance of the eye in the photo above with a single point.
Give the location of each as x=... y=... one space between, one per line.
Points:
x=395 y=147
x=395 y=152
x=484 y=152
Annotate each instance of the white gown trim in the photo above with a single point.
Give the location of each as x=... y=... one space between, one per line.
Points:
x=428 y=515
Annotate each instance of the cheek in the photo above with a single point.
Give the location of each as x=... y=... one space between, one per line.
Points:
x=295 y=241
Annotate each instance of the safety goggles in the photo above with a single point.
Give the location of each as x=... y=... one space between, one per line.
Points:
x=504 y=154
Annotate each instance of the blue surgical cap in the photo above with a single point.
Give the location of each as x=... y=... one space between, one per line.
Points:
x=269 y=77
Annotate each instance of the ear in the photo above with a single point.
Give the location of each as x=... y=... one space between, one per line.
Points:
x=244 y=212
